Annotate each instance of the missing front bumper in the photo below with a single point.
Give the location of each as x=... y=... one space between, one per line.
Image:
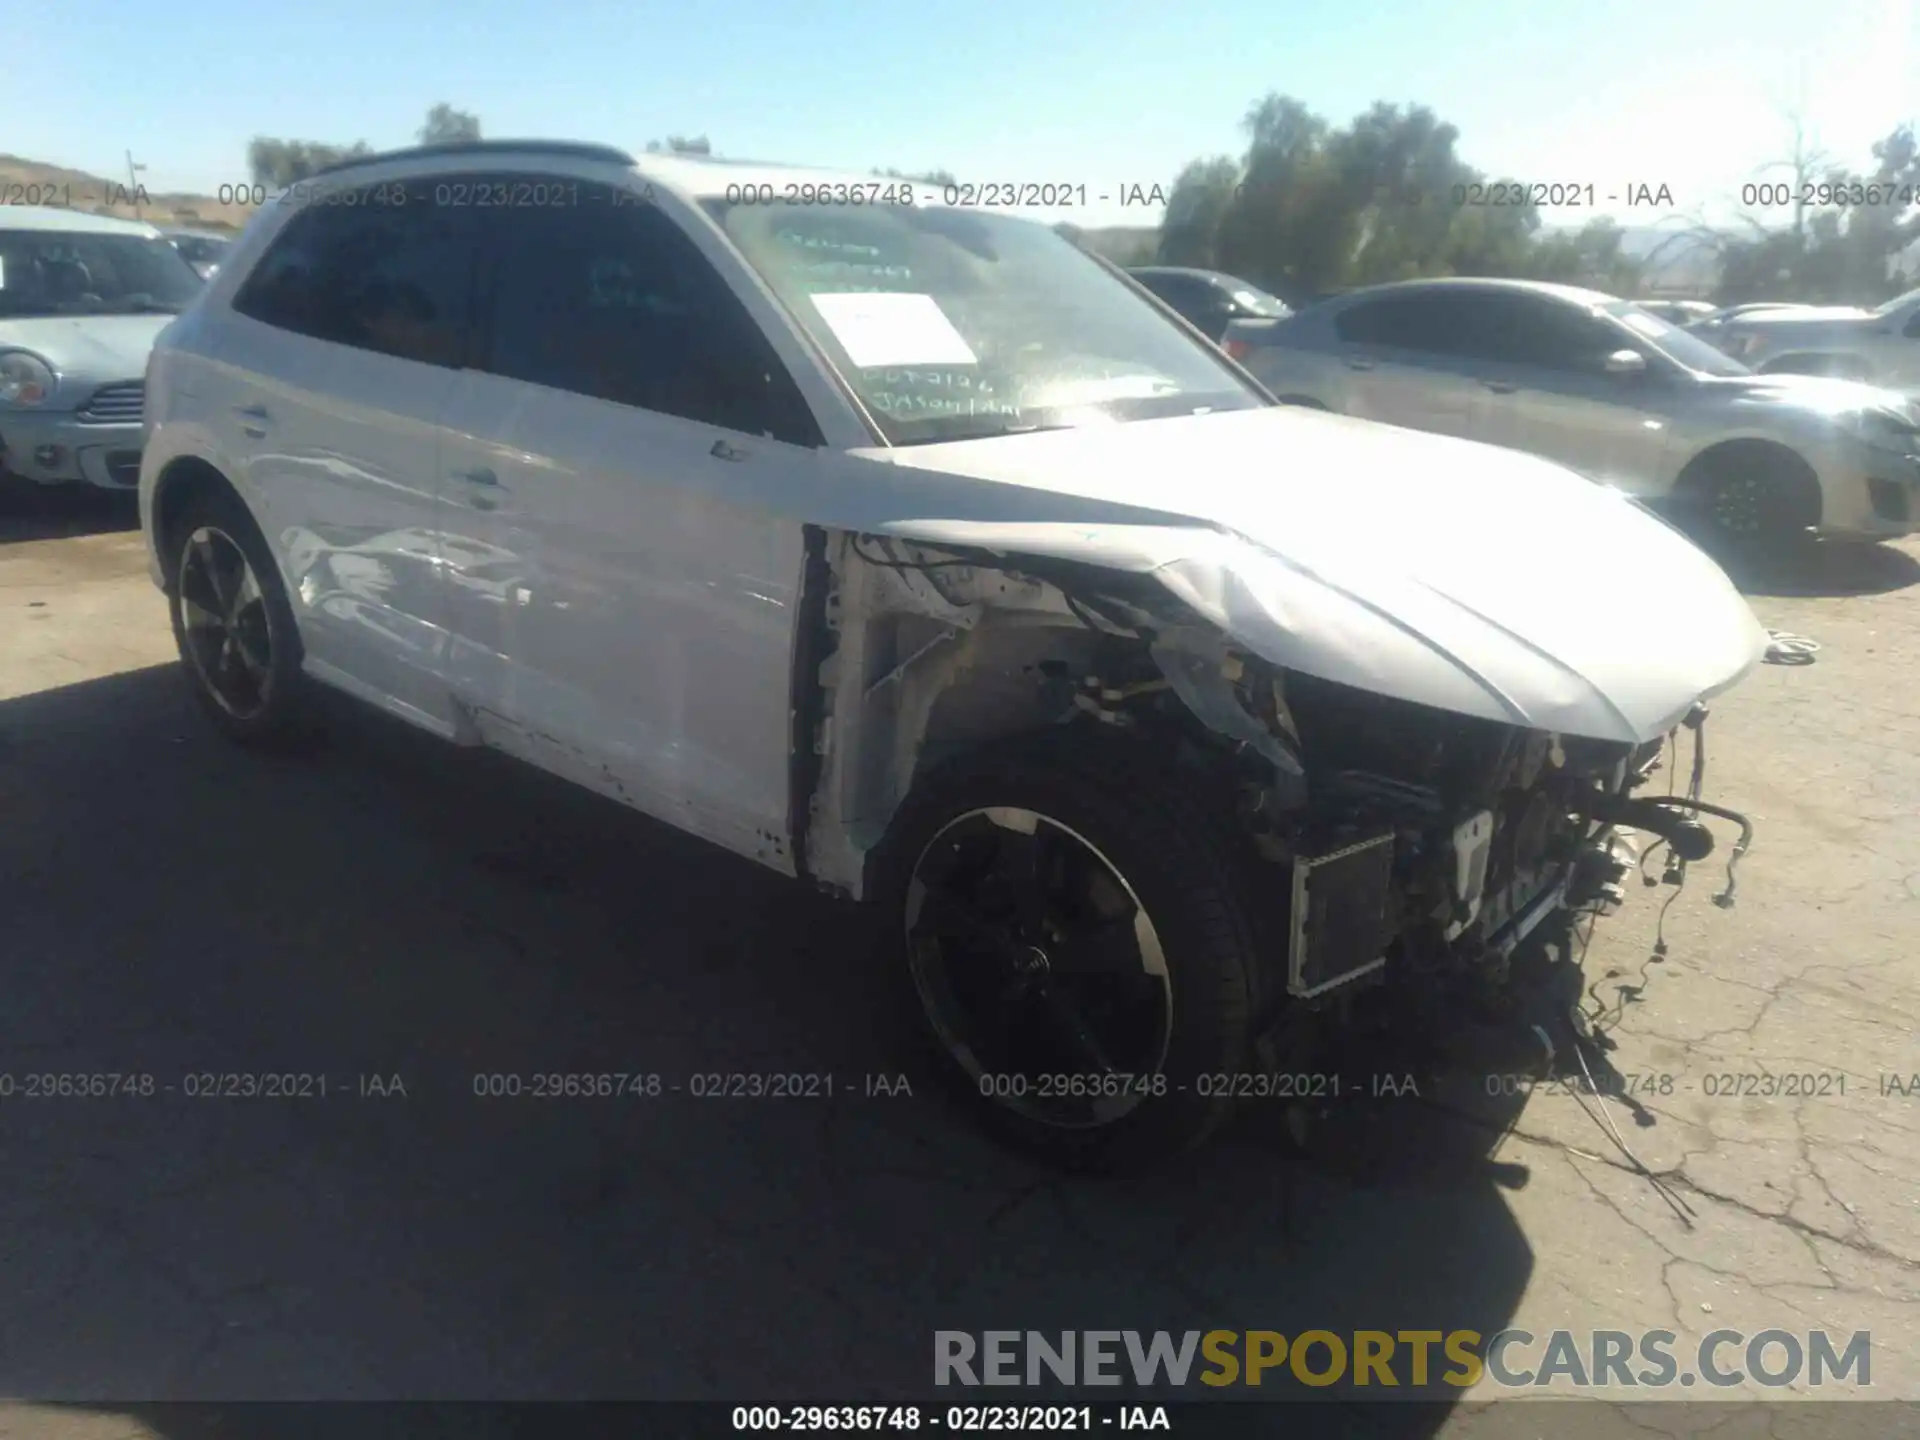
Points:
x=1339 y=926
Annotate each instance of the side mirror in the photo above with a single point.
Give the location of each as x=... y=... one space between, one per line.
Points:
x=1625 y=363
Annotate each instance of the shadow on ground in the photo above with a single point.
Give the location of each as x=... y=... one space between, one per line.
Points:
x=53 y=512
x=1809 y=568
x=395 y=914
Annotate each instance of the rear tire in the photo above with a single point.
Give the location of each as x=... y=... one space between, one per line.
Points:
x=239 y=645
x=1120 y=872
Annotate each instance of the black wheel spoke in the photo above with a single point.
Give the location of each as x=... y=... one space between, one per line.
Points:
x=251 y=655
x=944 y=913
x=225 y=633
x=196 y=579
x=245 y=596
x=1072 y=1025
x=198 y=617
x=1103 y=947
x=1026 y=968
x=220 y=578
x=1019 y=869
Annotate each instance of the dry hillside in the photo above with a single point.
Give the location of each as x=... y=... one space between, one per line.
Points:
x=29 y=181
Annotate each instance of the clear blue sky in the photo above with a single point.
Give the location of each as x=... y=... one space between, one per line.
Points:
x=1689 y=93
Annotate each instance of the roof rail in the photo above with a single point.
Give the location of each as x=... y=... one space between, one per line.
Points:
x=573 y=149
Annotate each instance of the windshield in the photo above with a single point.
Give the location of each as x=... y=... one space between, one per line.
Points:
x=76 y=272
x=953 y=325
x=1680 y=346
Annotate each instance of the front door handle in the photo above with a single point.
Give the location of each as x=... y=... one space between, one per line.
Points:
x=1500 y=387
x=1360 y=364
x=486 y=483
x=253 y=419
x=723 y=451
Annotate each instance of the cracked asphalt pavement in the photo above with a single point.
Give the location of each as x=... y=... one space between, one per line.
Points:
x=394 y=908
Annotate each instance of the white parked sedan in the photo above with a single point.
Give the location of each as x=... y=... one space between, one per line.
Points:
x=909 y=550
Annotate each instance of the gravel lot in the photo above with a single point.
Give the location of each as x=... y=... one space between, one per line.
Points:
x=392 y=907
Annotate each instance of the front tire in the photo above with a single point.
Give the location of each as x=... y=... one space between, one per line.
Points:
x=1070 y=944
x=239 y=646
x=1753 y=496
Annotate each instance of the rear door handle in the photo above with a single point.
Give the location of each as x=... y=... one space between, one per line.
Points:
x=1500 y=387
x=1360 y=364
x=253 y=419
x=480 y=475
x=723 y=451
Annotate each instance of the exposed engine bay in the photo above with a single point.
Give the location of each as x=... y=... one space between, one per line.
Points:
x=1400 y=843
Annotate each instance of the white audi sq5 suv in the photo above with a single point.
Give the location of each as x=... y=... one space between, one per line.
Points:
x=911 y=551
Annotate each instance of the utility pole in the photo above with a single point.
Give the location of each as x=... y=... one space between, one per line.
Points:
x=133 y=183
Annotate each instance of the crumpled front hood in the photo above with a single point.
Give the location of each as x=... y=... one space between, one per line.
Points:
x=1451 y=573
x=86 y=351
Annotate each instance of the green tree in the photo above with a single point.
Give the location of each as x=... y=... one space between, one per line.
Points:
x=1287 y=227
x=448 y=126
x=1196 y=205
x=278 y=163
x=1591 y=256
x=1312 y=208
x=1848 y=254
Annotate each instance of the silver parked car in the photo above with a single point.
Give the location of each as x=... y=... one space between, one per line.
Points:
x=1715 y=318
x=202 y=249
x=1881 y=345
x=82 y=298
x=1677 y=312
x=1603 y=387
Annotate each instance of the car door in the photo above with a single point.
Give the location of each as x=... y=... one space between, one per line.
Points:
x=1400 y=362
x=621 y=598
x=1542 y=361
x=338 y=355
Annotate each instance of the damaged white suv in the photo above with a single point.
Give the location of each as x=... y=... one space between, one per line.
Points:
x=913 y=552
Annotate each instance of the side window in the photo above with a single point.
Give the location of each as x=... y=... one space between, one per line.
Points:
x=1527 y=330
x=609 y=298
x=1431 y=324
x=380 y=268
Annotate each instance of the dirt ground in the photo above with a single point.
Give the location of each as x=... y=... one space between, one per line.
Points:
x=394 y=908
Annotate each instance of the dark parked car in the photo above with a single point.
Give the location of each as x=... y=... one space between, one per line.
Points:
x=1209 y=300
x=202 y=249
